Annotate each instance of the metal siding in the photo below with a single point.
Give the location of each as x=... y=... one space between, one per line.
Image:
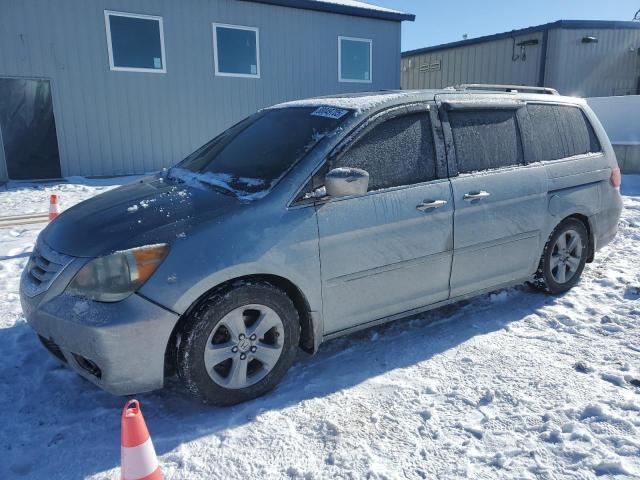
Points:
x=124 y=122
x=564 y=24
x=606 y=68
x=488 y=62
x=3 y=167
x=609 y=67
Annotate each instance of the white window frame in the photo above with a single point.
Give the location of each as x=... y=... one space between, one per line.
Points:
x=215 y=50
x=107 y=14
x=355 y=39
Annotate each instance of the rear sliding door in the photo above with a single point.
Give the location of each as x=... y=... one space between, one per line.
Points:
x=500 y=202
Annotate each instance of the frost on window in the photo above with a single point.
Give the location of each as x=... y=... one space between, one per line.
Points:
x=397 y=152
x=560 y=131
x=485 y=139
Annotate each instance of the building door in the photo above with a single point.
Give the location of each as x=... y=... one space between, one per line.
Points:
x=28 y=128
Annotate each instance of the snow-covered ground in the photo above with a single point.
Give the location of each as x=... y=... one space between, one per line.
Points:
x=514 y=384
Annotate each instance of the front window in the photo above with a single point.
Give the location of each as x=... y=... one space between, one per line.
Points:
x=354 y=59
x=395 y=153
x=236 y=50
x=248 y=159
x=135 y=42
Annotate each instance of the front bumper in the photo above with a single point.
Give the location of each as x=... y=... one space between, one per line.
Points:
x=118 y=346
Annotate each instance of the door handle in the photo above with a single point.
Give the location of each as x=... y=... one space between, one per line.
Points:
x=426 y=205
x=476 y=195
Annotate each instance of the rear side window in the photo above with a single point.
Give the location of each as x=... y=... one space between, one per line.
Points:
x=397 y=152
x=485 y=139
x=560 y=131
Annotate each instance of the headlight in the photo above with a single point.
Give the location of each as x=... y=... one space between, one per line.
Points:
x=116 y=276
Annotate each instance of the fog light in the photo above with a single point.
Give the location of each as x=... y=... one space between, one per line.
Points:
x=88 y=365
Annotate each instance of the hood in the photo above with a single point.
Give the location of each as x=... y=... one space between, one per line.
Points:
x=153 y=210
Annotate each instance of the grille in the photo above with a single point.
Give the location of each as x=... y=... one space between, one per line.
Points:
x=53 y=348
x=43 y=267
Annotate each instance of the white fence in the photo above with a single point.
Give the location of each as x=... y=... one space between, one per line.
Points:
x=620 y=117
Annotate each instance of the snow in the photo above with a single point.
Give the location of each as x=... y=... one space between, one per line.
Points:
x=357 y=4
x=359 y=103
x=19 y=198
x=223 y=180
x=513 y=384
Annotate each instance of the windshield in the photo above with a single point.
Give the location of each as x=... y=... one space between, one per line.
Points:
x=249 y=158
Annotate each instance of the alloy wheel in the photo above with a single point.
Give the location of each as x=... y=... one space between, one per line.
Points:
x=566 y=256
x=244 y=346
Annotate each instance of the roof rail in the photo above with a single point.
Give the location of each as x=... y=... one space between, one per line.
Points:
x=507 y=88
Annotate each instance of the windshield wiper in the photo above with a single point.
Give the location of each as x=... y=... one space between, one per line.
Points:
x=186 y=177
x=221 y=189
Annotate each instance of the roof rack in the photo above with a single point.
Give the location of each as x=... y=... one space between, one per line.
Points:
x=506 y=88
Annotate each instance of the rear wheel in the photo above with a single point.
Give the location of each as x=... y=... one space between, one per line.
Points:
x=238 y=344
x=563 y=258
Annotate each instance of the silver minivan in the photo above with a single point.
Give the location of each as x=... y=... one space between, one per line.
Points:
x=312 y=219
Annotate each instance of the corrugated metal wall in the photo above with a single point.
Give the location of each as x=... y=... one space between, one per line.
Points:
x=123 y=122
x=489 y=62
x=609 y=67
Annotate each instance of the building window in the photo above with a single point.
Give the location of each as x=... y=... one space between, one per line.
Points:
x=355 y=59
x=135 y=42
x=236 y=51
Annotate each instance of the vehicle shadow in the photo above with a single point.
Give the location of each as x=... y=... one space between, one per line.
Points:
x=74 y=427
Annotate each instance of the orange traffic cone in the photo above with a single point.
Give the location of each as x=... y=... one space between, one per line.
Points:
x=54 y=210
x=138 y=457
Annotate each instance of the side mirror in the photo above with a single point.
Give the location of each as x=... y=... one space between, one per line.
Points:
x=343 y=182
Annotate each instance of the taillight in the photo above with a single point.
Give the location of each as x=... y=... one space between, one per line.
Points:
x=616 y=178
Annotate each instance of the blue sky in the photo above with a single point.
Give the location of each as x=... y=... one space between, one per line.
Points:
x=446 y=21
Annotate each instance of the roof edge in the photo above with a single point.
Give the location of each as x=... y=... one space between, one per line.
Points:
x=566 y=24
x=340 y=9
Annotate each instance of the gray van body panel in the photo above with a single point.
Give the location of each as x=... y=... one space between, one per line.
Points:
x=357 y=261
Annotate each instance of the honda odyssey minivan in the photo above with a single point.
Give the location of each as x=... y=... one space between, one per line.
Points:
x=312 y=219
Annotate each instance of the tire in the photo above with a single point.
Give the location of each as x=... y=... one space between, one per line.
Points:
x=560 y=269
x=214 y=331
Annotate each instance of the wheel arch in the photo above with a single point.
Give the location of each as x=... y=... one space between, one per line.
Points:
x=587 y=224
x=308 y=340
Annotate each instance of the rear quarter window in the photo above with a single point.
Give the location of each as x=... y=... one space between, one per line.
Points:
x=560 y=131
x=485 y=139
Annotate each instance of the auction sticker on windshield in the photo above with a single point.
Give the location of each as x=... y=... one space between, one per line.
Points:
x=330 y=112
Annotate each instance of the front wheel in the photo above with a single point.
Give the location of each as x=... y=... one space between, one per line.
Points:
x=563 y=258
x=238 y=343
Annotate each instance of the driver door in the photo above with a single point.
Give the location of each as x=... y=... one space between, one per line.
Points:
x=390 y=250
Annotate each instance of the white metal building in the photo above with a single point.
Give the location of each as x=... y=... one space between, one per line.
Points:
x=104 y=87
x=579 y=58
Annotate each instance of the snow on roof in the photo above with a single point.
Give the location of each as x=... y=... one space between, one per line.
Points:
x=344 y=7
x=359 y=103
x=356 y=4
